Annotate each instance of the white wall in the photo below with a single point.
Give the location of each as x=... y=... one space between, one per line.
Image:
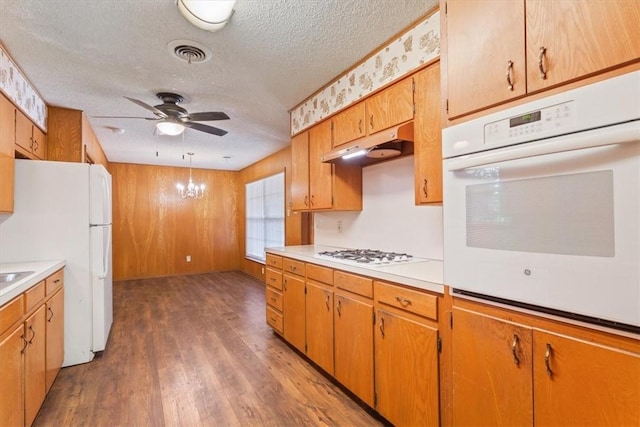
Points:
x=389 y=220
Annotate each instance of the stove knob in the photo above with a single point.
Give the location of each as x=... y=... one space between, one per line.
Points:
x=385 y=259
x=403 y=258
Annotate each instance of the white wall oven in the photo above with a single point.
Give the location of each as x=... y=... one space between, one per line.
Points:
x=542 y=204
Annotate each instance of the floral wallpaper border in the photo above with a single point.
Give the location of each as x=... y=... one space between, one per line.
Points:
x=18 y=89
x=418 y=45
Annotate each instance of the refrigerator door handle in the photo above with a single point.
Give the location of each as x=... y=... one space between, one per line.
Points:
x=105 y=257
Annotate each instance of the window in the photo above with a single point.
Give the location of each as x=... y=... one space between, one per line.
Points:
x=265 y=215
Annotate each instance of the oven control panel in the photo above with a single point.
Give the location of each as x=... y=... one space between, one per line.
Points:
x=543 y=123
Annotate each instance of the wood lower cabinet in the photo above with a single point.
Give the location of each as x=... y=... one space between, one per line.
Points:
x=34 y=364
x=427 y=146
x=7 y=153
x=12 y=396
x=31 y=142
x=319 y=316
x=508 y=373
x=54 y=328
x=353 y=344
x=293 y=311
x=274 y=297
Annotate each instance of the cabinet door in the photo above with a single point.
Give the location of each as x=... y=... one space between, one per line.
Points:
x=7 y=148
x=427 y=146
x=491 y=362
x=390 y=107
x=483 y=37
x=408 y=395
x=34 y=365
x=24 y=132
x=39 y=143
x=293 y=313
x=580 y=383
x=55 y=337
x=11 y=396
x=353 y=322
x=579 y=38
x=349 y=124
x=320 y=174
x=319 y=326
x=300 y=172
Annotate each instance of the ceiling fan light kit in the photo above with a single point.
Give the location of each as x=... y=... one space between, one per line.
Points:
x=209 y=15
x=170 y=127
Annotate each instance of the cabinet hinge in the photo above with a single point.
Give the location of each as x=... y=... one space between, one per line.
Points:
x=447 y=105
x=375 y=399
x=305 y=289
x=305 y=348
x=374 y=318
x=451 y=320
x=413 y=86
x=445 y=8
x=439 y=344
x=332 y=125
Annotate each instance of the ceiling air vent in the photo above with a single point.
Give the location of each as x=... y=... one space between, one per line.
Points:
x=189 y=51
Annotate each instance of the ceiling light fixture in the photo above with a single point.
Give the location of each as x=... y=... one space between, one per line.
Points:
x=191 y=190
x=210 y=15
x=170 y=126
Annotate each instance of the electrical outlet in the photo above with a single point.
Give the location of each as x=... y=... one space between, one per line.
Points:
x=340 y=227
x=188 y=258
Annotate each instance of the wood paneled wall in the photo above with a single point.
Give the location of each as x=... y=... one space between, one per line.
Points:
x=297 y=225
x=154 y=229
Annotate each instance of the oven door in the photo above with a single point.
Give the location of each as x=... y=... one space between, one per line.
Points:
x=552 y=224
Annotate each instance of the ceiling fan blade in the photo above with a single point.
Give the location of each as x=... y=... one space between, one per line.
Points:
x=154 y=110
x=208 y=116
x=205 y=128
x=124 y=117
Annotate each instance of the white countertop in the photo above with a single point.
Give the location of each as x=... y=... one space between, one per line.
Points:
x=421 y=273
x=41 y=270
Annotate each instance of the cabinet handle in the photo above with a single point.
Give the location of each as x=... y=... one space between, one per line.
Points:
x=403 y=302
x=35 y=145
x=326 y=302
x=311 y=200
x=509 y=79
x=285 y=284
x=371 y=121
x=293 y=268
x=31 y=143
x=547 y=357
x=56 y=281
x=339 y=308
x=514 y=349
x=360 y=126
x=50 y=317
x=273 y=299
x=381 y=326
x=424 y=188
x=33 y=334
x=25 y=344
x=543 y=72
x=273 y=279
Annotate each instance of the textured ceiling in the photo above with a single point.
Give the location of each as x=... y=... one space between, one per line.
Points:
x=88 y=54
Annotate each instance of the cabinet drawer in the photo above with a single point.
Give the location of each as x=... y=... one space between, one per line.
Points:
x=352 y=283
x=274 y=261
x=293 y=266
x=11 y=312
x=274 y=319
x=34 y=296
x=274 y=298
x=320 y=274
x=416 y=302
x=54 y=282
x=273 y=278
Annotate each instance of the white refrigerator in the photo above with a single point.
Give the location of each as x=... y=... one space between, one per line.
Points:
x=63 y=211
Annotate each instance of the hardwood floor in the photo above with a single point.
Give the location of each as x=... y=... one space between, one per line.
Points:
x=196 y=351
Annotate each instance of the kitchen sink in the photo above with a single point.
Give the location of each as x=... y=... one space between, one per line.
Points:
x=7 y=279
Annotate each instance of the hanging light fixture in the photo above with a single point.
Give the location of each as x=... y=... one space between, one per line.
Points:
x=191 y=190
x=210 y=15
x=170 y=126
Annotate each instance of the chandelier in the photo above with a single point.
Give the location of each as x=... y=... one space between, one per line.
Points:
x=191 y=190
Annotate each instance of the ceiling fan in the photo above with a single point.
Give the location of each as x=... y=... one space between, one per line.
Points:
x=172 y=119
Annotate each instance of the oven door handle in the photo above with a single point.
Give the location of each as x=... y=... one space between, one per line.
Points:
x=600 y=137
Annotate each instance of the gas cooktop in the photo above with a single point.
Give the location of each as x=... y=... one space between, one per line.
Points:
x=366 y=256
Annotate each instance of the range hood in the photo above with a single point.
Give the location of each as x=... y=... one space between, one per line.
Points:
x=381 y=146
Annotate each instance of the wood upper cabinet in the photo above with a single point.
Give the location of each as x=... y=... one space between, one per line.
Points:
x=492 y=382
x=319 y=325
x=300 y=171
x=54 y=337
x=320 y=174
x=7 y=153
x=392 y=106
x=34 y=364
x=427 y=146
x=487 y=65
x=583 y=383
x=321 y=186
x=479 y=56
x=31 y=142
x=579 y=38
x=353 y=344
x=349 y=124
x=293 y=312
